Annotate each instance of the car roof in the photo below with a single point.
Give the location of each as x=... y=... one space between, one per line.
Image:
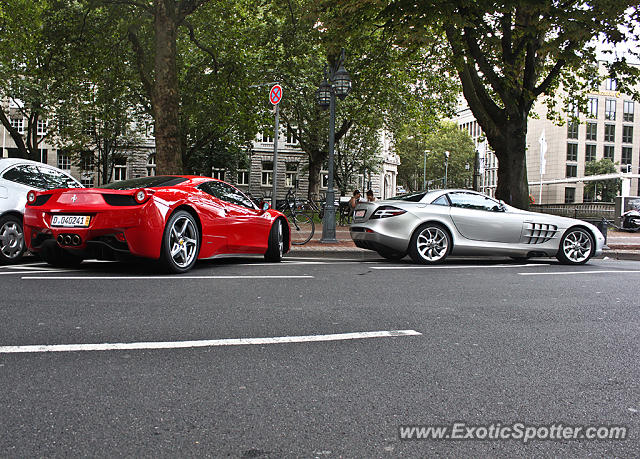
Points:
x=6 y=163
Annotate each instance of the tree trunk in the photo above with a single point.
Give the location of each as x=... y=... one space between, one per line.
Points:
x=165 y=98
x=510 y=149
x=315 y=167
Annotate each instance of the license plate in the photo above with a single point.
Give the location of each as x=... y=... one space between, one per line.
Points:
x=71 y=221
x=360 y=213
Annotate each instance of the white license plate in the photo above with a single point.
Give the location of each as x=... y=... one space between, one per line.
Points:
x=360 y=213
x=71 y=221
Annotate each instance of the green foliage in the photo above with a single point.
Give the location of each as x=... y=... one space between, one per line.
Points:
x=413 y=142
x=602 y=190
x=358 y=153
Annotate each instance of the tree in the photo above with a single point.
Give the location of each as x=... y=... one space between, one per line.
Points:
x=602 y=190
x=39 y=55
x=506 y=56
x=390 y=84
x=413 y=143
x=358 y=153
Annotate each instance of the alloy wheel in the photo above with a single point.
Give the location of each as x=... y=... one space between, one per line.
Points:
x=576 y=246
x=11 y=240
x=432 y=244
x=183 y=241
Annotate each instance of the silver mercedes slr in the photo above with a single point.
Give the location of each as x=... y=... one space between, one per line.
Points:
x=429 y=226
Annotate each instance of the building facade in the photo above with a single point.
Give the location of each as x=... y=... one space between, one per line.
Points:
x=608 y=129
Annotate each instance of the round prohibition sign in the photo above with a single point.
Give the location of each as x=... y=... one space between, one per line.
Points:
x=275 y=95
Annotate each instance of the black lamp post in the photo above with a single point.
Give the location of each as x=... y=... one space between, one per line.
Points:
x=337 y=82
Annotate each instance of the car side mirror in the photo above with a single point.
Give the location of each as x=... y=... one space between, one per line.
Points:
x=265 y=205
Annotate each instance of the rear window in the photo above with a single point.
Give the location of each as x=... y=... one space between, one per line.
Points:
x=413 y=197
x=156 y=181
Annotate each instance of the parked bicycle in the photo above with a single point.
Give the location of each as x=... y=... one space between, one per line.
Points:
x=300 y=222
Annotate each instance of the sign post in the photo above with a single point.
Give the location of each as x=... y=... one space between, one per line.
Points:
x=275 y=96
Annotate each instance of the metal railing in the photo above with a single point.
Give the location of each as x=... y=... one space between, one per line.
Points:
x=587 y=210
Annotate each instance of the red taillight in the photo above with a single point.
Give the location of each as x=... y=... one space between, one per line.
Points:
x=120 y=237
x=140 y=196
x=387 y=211
x=31 y=197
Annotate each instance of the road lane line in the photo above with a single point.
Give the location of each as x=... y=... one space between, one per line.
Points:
x=176 y=277
x=39 y=271
x=460 y=267
x=570 y=273
x=204 y=343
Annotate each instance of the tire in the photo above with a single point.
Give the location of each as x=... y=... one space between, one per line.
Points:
x=180 y=243
x=12 y=246
x=275 y=246
x=60 y=258
x=302 y=228
x=576 y=247
x=430 y=244
x=391 y=254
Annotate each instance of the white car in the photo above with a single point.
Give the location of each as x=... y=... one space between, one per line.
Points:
x=17 y=177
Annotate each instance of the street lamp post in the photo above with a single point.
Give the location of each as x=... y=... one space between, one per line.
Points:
x=446 y=167
x=337 y=82
x=424 y=170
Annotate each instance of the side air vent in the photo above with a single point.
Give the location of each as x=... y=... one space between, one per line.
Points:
x=119 y=200
x=41 y=200
x=539 y=233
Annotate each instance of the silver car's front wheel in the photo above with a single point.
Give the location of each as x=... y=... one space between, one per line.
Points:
x=430 y=244
x=576 y=247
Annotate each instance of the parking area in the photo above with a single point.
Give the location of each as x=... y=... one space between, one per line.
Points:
x=314 y=356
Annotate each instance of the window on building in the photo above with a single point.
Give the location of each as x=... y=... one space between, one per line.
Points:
x=87 y=182
x=120 y=170
x=572 y=130
x=572 y=111
x=592 y=107
x=610 y=109
x=611 y=84
x=626 y=155
x=572 y=170
x=572 y=152
x=608 y=152
x=569 y=195
x=18 y=124
x=627 y=108
x=151 y=165
x=267 y=173
x=64 y=160
x=267 y=137
x=592 y=131
x=627 y=134
x=44 y=155
x=609 y=132
x=42 y=127
x=243 y=177
x=324 y=176
x=589 y=152
x=86 y=160
x=292 y=174
x=292 y=136
x=217 y=173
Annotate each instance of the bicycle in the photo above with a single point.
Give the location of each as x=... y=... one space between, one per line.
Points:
x=301 y=224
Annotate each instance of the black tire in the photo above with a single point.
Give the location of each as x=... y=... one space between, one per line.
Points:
x=180 y=243
x=576 y=247
x=390 y=254
x=302 y=228
x=12 y=246
x=430 y=244
x=59 y=257
x=275 y=247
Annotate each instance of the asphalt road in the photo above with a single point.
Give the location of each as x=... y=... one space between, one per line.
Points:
x=492 y=341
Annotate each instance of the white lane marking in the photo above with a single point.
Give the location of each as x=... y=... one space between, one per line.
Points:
x=460 y=267
x=176 y=277
x=38 y=263
x=39 y=271
x=569 y=273
x=204 y=343
x=36 y=268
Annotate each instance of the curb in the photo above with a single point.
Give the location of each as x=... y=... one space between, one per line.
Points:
x=619 y=254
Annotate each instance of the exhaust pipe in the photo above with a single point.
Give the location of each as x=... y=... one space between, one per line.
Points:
x=67 y=239
x=76 y=239
x=60 y=239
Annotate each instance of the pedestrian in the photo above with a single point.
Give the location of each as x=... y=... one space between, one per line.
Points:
x=353 y=202
x=370 y=196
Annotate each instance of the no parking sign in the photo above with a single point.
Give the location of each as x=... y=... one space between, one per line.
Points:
x=275 y=95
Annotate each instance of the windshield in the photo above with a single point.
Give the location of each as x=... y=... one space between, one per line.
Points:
x=157 y=181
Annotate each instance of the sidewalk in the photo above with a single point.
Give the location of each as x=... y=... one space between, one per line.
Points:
x=620 y=245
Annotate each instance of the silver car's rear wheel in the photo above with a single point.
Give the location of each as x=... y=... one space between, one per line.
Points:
x=576 y=247
x=430 y=244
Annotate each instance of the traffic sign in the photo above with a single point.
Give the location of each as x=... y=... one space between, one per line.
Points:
x=275 y=95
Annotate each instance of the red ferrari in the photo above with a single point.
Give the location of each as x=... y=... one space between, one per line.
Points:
x=174 y=219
